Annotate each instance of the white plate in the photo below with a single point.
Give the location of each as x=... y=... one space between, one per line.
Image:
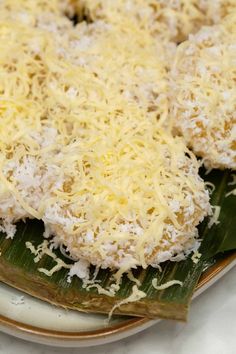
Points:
x=37 y=321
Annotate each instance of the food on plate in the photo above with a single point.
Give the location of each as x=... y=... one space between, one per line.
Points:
x=82 y=146
x=53 y=15
x=166 y=19
x=26 y=10
x=203 y=95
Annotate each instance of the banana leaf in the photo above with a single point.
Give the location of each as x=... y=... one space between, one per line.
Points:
x=18 y=269
x=220 y=237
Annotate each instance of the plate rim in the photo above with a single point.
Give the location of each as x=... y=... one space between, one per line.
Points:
x=48 y=336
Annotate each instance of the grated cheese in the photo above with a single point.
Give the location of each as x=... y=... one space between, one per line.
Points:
x=81 y=268
x=131 y=277
x=82 y=146
x=233 y=182
x=166 y=285
x=136 y=295
x=232 y=192
x=214 y=220
x=203 y=95
x=29 y=11
x=196 y=257
x=211 y=187
x=60 y=264
x=166 y=19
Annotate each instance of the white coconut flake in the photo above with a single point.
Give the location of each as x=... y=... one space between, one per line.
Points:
x=80 y=269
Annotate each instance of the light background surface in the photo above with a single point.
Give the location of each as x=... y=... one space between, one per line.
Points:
x=211 y=329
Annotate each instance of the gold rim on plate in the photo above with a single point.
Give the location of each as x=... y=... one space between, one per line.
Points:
x=113 y=330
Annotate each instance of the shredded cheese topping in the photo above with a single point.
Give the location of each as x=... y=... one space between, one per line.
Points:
x=82 y=146
x=166 y=285
x=28 y=11
x=232 y=192
x=233 y=182
x=135 y=296
x=165 y=19
x=196 y=257
x=203 y=95
x=214 y=220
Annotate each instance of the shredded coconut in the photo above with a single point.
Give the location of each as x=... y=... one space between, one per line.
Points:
x=203 y=96
x=82 y=147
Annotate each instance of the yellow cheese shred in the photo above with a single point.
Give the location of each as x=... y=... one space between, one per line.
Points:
x=136 y=295
x=82 y=145
x=214 y=220
x=203 y=97
x=166 y=285
x=232 y=192
x=168 y=20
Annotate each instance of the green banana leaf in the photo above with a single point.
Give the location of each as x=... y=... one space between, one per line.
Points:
x=18 y=269
x=220 y=237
